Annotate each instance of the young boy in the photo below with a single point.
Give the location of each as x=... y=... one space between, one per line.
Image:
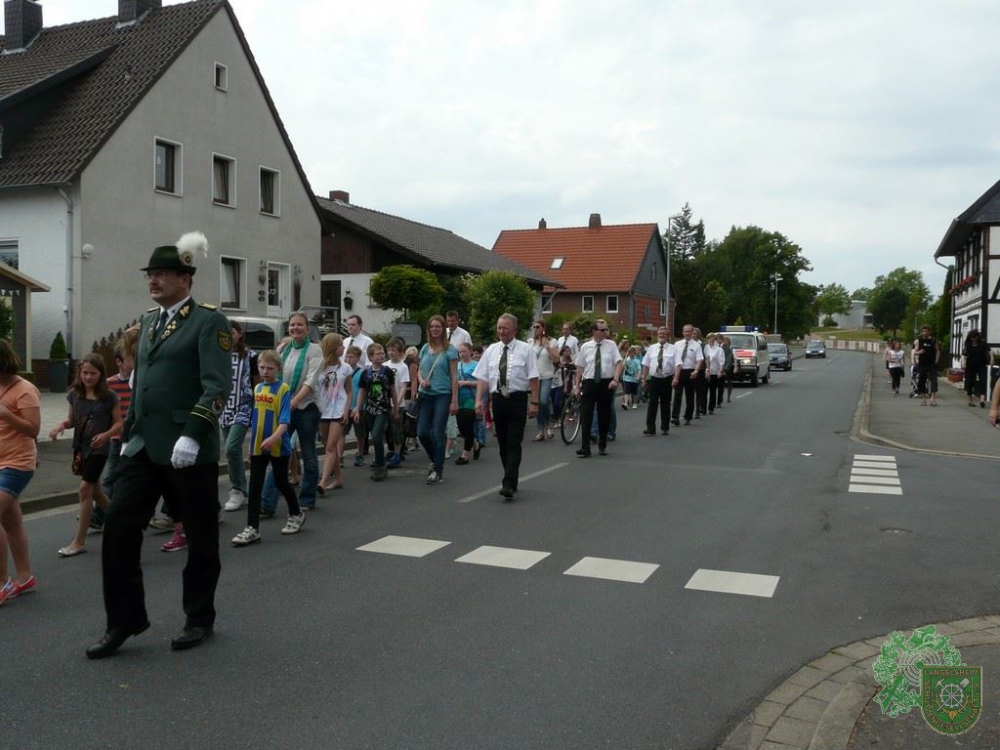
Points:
x=397 y=348
x=270 y=444
x=378 y=400
x=352 y=356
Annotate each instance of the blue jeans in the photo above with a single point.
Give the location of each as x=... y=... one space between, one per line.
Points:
x=544 y=389
x=305 y=424
x=111 y=467
x=432 y=426
x=233 y=436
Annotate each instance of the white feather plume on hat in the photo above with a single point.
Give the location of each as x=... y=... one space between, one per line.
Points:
x=189 y=245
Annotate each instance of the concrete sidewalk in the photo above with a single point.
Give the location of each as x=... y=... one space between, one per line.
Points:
x=827 y=704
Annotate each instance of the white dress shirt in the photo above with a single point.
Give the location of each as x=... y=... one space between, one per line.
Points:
x=688 y=360
x=522 y=366
x=571 y=341
x=458 y=337
x=652 y=360
x=715 y=358
x=361 y=341
x=610 y=357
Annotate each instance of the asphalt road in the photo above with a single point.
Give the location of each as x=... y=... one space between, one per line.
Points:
x=322 y=645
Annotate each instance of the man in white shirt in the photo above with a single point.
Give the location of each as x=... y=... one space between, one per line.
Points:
x=568 y=339
x=455 y=334
x=356 y=337
x=657 y=378
x=598 y=372
x=714 y=359
x=690 y=362
x=508 y=371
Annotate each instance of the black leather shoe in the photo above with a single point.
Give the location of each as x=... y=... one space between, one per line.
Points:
x=664 y=432
x=190 y=637
x=583 y=454
x=112 y=641
x=675 y=421
x=649 y=432
x=602 y=452
x=507 y=493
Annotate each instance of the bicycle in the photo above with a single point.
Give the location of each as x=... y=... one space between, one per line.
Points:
x=570 y=419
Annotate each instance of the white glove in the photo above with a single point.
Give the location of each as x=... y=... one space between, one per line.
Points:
x=185 y=452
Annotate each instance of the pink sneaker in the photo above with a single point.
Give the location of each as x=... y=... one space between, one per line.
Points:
x=12 y=589
x=177 y=542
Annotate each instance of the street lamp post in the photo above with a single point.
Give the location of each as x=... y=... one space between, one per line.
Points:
x=666 y=307
x=775 y=278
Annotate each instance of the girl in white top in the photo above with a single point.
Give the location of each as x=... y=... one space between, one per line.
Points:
x=333 y=391
x=894 y=362
x=546 y=355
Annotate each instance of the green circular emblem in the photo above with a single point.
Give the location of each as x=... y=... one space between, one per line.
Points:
x=898 y=667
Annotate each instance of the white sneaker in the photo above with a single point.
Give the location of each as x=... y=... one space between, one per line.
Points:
x=249 y=535
x=236 y=500
x=161 y=523
x=294 y=523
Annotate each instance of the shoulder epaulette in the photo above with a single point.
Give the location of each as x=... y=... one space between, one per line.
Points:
x=153 y=309
x=208 y=306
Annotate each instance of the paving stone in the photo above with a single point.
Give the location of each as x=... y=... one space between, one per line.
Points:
x=832 y=662
x=786 y=693
x=826 y=690
x=945 y=629
x=809 y=676
x=859 y=650
x=835 y=728
x=848 y=674
x=995 y=619
x=767 y=713
x=768 y=745
x=807 y=709
x=794 y=732
x=746 y=736
x=971 y=638
x=970 y=623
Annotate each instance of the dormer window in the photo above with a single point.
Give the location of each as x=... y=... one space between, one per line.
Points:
x=221 y=77
x=557 y=263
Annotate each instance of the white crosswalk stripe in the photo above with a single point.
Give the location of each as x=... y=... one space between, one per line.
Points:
x=503 y=557
x=875 y=475
x=730 y=582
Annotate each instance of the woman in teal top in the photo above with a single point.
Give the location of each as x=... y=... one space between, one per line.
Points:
x=437 y=375
x=466 y=402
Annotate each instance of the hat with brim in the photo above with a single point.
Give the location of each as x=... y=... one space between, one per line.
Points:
x=169 y=257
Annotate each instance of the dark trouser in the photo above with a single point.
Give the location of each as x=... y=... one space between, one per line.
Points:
x=659 y=392
x=258 y=471
x=596 y=395
x=701 y=389
x=720 y=389
x=925 y=372
x=194 y=501
x=896 y=373
x=376 y=424
x=467 y=427
x=975 y=381
x=509 y=417
x=687 y=386
x=714 y=392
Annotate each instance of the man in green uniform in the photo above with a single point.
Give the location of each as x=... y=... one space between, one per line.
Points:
x=170 y=447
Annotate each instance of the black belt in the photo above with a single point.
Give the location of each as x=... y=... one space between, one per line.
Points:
x=511 y=394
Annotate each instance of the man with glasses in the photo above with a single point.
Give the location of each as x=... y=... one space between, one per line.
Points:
x=170 y=447
x=598 y=370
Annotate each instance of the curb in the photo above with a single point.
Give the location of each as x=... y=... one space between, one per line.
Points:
x=818 y=706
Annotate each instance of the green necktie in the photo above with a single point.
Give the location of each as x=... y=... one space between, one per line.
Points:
x=684 y=354
x=597 y=362
x=659 y=361
x=160 y=323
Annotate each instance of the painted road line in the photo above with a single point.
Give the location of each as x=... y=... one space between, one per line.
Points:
x=875 y=458
x=745 y=394
x=525 y=478
x=612 y=570
x=874 y=480
x=407 y=546
x=728 y=582
x=873 y=465
x=504 y=557
x=876 y=472
x=875 y=489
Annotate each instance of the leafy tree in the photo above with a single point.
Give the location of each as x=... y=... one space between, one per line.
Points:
x=888 y=309
x=716 y=303
x=6 y=321
x=494 y=293
x=914 y=293
x=862 y=293
x=831 y=300
x=455 y=298
x=406 y=288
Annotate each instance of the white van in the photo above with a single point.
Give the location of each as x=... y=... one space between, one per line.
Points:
x=266 y=333
x=750 y=355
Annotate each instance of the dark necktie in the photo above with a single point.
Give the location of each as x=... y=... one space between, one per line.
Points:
x=659 y=361
x=684 y=355
x=597 y=362
x=503 y=368
x=160 y=324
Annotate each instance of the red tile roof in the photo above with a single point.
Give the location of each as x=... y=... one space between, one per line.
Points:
x=606 y=258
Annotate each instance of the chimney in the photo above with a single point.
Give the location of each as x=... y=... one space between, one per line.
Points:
x=130 y=11
x=595 y=221
x=340 y=195
x=23 y=22
x=541 y=223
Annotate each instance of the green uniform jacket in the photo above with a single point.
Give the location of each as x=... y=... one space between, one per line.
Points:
x=182 y=381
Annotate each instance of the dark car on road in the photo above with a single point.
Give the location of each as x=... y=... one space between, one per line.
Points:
x=780 y=357
x=815 y=349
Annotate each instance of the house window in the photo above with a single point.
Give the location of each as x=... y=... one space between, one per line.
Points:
x=167 y=166
x=557 y=263
x=547 y=303
x=270 y=191
x=8 y=253
x=221 y=77
x=663 y=307
x=612 y=303
x=223 y=180
x=588 y=303
x=232 y=275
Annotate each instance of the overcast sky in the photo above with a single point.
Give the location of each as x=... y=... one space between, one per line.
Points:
x=858 y=129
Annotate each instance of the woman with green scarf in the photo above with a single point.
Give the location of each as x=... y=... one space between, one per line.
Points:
x=301 y=360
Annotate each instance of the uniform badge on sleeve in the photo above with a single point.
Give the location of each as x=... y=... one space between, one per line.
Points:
x=226 y=341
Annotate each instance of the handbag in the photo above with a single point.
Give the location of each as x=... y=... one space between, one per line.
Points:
x=410 y=418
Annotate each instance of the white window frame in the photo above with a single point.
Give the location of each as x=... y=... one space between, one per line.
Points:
x=557 y=263
x=178 y=166
x=241 y=282
x=232 y=180
x=583 y=303
x=547 y=303
x=663 y=308
x=607 y=303
x=221 y=83
x=277 y=190
x=283 y=309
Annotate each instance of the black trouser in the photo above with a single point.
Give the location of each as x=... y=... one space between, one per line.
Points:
x=714 y=392
x=194 y=501
x=596 y=395
x=896 y=373
x=701 y=389
x=975 y=381
x=720 y=389
x=927 y=373
x=510 y=414
x=686 y=385
x=258 y=470
x=659 y=392
x=466 y=419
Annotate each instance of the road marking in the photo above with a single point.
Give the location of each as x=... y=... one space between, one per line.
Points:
x=873 y=465
x=874 y=480
x=876 y=472
x=504 y=557
x=875 y=475
x=612 y=570
x=875 y=489
x=889 y=459
x=527 y=477
x=747 y=393
x=728 y=582
x=407 y=546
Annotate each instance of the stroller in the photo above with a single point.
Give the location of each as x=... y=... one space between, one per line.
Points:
x=913 y=381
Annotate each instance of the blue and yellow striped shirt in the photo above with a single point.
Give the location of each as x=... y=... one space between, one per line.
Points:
x=272 y=406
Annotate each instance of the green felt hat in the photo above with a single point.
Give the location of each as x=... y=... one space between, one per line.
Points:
x=171 y=258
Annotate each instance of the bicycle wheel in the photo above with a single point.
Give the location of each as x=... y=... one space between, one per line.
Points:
x=570 y=427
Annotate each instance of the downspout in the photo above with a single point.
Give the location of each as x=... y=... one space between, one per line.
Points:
x=69 y=271
x=952 y=347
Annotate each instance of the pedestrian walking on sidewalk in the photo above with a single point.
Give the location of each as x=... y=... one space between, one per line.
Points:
x=894 y=359
x=20 y=420
x=96 y=419
x=926 y=354
x=170 y=447
x=975 y=361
